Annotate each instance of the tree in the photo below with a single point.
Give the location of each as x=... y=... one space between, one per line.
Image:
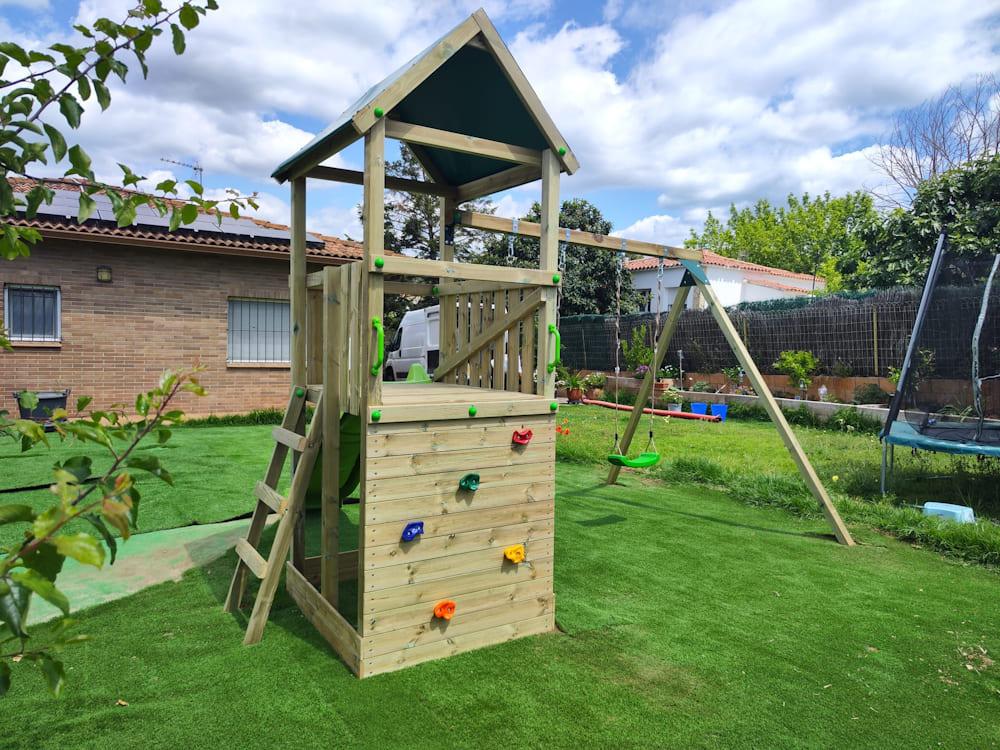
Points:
x=806 y=235
x=938 y=135
x=590 y=276
x=897 y=248
x=412 y=227
x=60 y=79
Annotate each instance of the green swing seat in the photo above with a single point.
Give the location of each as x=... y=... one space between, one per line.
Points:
x=642 y=461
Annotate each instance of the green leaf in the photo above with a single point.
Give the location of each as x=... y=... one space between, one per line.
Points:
x=55 y=675
x=14 y=609
x=81 y=547
x=46 y=560
x=80 y=161
x=42 y=586
x=163 y=435
x=87 y=207
x=195 y=186
x=4 y=678
x=83 y=402
x=189 y=213
x=153 y=7
x=70 y=109
x=175 y=220
x=57 y=141
x=167 y=186
x=98 y=523
x=152 y=465
x=83 y=86
x=103 y=95
x=188 y=16
x=15 y=52
x=178 y=38
x=78 y=466
x=16 y=514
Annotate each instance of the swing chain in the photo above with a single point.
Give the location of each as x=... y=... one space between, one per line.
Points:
x=510 y=241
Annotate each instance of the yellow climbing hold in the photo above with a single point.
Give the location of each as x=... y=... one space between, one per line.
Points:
x=514 y=553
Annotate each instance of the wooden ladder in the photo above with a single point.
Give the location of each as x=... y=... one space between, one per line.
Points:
x=287 y=437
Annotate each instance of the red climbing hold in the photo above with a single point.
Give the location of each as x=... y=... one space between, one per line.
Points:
x=522 y=437
x=444 y=609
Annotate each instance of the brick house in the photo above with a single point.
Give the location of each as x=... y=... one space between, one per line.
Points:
x=103 y=310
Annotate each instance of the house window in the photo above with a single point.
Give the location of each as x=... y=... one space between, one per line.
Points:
x=645 y=297
x=31 y=313
x=258 y=331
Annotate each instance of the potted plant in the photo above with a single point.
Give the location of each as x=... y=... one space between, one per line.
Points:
x=574 y=387
x=734 y=376
x=799 y=365
x=638 y=354
x=673 y=399
x=593 y=384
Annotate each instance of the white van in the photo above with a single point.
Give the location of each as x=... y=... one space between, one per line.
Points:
x=416 y=341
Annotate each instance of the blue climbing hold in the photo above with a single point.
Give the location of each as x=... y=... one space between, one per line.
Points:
x=412 y=531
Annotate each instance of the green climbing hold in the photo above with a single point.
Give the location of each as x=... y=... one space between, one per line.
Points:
x=562 y=151
x=379 y=262
x=300 y=392
x=555 y=278
x=469 y=483
x=376 y=415
x=553 y=406
x=473 y=410
x=379 y=111
x=435 y=290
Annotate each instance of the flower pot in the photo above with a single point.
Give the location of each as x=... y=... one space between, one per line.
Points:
x=673 y=407
x=593 y=393
x=575 y=395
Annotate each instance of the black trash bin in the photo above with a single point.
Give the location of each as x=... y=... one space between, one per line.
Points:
x=48 y=401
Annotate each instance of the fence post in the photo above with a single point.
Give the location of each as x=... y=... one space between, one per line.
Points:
x=875 y=336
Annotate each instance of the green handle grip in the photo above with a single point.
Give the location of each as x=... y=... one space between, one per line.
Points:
x=379 y=345
x=558 y=351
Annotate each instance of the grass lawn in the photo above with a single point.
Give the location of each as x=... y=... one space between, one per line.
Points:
x=688 y=620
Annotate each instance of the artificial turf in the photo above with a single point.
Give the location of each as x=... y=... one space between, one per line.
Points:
x=688 y=621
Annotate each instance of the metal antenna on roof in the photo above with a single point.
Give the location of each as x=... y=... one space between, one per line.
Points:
x=198 y=170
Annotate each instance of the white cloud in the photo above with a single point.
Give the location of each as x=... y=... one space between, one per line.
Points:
x=661 y=228
x=35 y=5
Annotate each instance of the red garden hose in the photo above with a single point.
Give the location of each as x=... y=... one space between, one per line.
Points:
x=656 y=412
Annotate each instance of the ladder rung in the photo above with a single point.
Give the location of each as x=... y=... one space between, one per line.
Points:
x=293 y=440
x=270 y=498
x=253 y=559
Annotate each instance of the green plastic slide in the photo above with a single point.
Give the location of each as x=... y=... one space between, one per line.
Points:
x=350 y=463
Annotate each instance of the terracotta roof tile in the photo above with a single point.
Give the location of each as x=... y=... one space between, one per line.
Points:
x=714 y=259
x=332 y=247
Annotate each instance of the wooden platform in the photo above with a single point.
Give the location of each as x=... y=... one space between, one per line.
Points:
x=421 y=402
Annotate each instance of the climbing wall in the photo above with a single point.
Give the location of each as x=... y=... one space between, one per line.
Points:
x=456 y=537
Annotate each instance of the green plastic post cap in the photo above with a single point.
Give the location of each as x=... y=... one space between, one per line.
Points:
x=555 y=278
x=376 y=415
x=562 y=151
x=553 y=406
x=473 y=410
x=300 y=392
x=435 y=290
x=379 y=111
x=379 y=262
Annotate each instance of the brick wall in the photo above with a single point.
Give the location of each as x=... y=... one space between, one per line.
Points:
x=164 y=308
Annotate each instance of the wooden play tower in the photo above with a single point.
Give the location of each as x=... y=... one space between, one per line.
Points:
x=455 y=528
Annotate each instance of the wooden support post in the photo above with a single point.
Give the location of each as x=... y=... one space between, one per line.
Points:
x=771 y=406
x=662 y=343
x=333 y=349
x=373 y=218
x=447 y=320
x=299 y=329
x=548 y=261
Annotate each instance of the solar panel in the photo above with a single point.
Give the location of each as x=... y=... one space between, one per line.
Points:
x=65 y=204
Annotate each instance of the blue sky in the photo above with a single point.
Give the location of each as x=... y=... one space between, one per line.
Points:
x=673 y=108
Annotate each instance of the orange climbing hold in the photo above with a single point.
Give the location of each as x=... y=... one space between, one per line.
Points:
x=444 y=609
x=514 y=553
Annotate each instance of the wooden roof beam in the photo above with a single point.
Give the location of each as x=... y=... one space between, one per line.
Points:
x=575 y=236
x=494 y=183
x=354 y=177
x=463 y=144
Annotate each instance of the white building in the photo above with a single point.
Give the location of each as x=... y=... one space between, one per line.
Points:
x=734 y=281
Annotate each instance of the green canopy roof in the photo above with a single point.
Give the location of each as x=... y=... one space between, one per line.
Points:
x=472 y=87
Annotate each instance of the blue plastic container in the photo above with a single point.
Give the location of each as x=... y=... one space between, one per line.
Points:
x=956 y=513
x=699 y=408
x=720 y=411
